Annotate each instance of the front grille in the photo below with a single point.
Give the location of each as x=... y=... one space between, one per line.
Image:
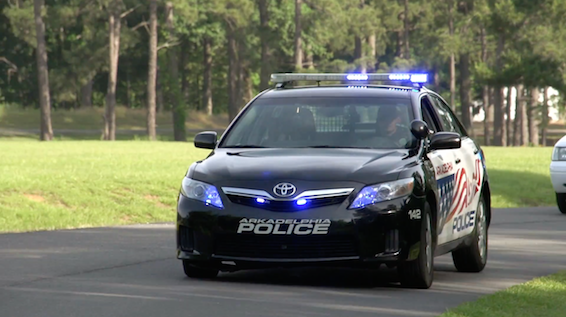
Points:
x=289 y=206
x=186 y=239
x=285 y=247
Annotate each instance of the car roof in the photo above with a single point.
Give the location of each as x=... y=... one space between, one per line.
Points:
x=342 y=91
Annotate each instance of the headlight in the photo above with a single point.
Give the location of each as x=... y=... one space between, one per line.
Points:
x=559 y=154
x=382 y=192
x=204 y=192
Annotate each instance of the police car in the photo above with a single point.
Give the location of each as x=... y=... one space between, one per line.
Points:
x=558 y=173
x=353 y=170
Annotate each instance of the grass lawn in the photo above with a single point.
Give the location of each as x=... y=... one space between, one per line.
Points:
x=544 y=297
x=72 y=184
x=68 y=184
x=519 y=176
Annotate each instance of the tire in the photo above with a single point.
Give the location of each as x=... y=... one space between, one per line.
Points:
x=473 y=258
x=419 y=273
x=561 y=201
x=193 y=271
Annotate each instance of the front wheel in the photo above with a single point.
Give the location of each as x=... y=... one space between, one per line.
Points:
x=473 y=258
x=561 y=201
x=420 y=272
x=198 y=272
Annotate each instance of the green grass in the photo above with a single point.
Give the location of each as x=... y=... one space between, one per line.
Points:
x=69 y=184
x=519 y=176
x=544 y=297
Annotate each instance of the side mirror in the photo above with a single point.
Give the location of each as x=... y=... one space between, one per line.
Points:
x=206 y=140
x=445 y=141
x=419 y=129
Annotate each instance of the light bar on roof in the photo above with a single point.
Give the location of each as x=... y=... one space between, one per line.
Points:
x=288 y=77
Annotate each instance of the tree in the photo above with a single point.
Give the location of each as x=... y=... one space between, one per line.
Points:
x=114 y=25
x=298 y=36
x=178 y=107
x=152 y=71
x=46 y=131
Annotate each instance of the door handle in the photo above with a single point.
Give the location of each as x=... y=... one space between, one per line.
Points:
x=458 y=161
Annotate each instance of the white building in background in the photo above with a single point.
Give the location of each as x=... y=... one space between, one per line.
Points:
x=552 y=105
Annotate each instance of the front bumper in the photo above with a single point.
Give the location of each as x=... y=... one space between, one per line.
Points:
x=332 y=234
x=558 y=176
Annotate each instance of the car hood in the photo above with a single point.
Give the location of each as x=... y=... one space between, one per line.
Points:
x=312 y=165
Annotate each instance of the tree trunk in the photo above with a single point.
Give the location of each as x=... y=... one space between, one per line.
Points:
x=309 y=57
x=114 y=25
x=532 y=116
x=265 y=71
x=233 y=74
x=508 y=131
x=452 y=62
x=516 y=136
x=46 y=131
x=152 y=71
x=436 y=79
x=487 y=117
x=466 y=92
x=524 y=117
x=485 y=90
x=207 y=78
x=177 y=106
x=544 y=118
x=499 y=110
x=159 y=102
x=298 y=39
x=183 y=68
x=359 y=54
x=499 y=138
x=373 y=51
x=247 y=85
x=406 y=29
x=86 y=93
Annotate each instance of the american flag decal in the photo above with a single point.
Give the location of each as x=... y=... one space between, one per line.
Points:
x=446 y=190
x=460 y=199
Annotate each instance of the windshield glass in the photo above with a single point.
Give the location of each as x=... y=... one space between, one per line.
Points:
x=343 y=122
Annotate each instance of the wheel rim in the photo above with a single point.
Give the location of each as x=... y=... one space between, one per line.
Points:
x=428 y=241
x=482 y=231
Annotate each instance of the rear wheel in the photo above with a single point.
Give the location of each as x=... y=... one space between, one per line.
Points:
x=194 y=271
x=420 y=272
x=473 y=258
x=561 y=201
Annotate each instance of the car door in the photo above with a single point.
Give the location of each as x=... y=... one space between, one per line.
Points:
x=443 y=162
x=460 y=220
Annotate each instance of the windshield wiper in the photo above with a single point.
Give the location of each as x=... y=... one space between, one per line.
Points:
x=245 y=146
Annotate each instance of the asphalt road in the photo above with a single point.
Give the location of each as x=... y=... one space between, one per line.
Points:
x=131 y=271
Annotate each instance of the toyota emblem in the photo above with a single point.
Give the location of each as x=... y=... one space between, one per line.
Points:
x=284 y=189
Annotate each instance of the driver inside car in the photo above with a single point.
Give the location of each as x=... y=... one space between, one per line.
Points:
x=390 y=129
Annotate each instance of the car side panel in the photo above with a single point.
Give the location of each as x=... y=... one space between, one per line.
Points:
x=443 y=162
x=469 y=174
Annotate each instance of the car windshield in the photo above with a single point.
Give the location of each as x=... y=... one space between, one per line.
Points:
x=329 y=122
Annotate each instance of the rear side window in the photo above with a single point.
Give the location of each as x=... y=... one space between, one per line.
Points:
x=449 y=122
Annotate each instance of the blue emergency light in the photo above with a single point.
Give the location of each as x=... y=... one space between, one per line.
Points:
x=417 y=78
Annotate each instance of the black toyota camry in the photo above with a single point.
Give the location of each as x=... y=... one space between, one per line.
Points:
x=349 y=174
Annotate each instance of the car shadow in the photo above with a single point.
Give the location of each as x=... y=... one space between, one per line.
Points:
x=317 y=277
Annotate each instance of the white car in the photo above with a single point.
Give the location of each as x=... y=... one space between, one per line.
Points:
x=558 y=173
